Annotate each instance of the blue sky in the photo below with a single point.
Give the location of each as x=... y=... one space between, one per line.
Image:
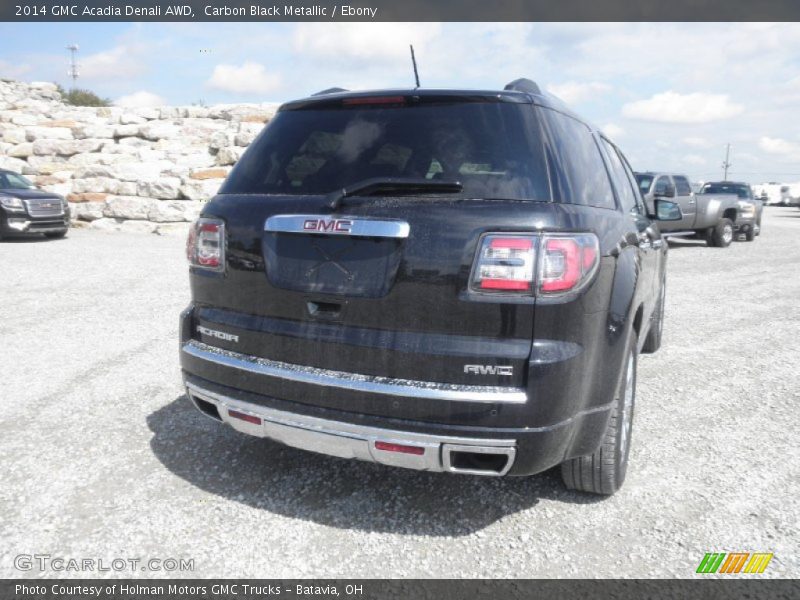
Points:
x=670 y=94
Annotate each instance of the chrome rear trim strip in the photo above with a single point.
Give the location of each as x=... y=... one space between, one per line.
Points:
x=352 y=381
x=337 y=225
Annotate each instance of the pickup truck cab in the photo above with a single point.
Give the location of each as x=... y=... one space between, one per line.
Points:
x=24 y=209
x=445 y=280
x=716 y=218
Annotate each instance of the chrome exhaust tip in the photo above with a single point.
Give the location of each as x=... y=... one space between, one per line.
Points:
x=478 y=460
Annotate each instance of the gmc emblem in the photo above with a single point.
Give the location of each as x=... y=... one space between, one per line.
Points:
x=489 y=370
x=328 y=225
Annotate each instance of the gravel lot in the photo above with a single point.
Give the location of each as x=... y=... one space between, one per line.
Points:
x=103 y=456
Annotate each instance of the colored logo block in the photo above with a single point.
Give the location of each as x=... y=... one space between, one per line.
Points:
x=734 y=562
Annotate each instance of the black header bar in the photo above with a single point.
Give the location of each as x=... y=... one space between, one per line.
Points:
x=411 y=589
x=399 y=10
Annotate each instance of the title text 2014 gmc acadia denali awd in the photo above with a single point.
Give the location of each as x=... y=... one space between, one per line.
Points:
x=441 y=280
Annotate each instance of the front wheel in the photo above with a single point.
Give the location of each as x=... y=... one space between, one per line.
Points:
x=722 y=234
x=55 y=235
x=604 y=471
x=750 y=234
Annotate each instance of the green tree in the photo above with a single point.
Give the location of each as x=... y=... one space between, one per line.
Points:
x=81 y=97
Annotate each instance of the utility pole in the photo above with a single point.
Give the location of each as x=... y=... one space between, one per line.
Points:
x=73 y=71
x=727 y=163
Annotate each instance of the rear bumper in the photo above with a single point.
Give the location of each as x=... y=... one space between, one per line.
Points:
x=563 y=412
x=425 y=452
x=445 y=447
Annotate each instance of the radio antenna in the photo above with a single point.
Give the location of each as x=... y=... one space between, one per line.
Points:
x=414 y=62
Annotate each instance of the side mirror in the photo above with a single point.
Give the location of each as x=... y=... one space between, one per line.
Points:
x=667 y=211
x=669 y=192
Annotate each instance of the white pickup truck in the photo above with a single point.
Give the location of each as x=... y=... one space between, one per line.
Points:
x=717 y=214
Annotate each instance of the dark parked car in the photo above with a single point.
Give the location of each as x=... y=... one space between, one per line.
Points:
x=453 y=281
x=24 y=209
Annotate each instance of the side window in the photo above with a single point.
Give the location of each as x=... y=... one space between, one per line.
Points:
x=579 y=174
x=662 y=183
x=628 y=196
x=682 y=187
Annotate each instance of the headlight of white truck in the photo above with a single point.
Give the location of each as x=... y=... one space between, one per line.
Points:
x=747 y=209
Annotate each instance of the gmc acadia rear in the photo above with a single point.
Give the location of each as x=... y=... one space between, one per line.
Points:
x=454 y=281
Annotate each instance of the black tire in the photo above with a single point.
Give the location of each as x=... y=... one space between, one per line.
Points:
x=750 y=234
x=56 y=235
x=722 y=234
x=604 y=471
x=653 y=340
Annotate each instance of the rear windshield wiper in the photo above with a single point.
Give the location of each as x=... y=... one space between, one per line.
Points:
x=393 y=184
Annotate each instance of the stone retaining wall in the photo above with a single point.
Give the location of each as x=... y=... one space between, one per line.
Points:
x=143 y=169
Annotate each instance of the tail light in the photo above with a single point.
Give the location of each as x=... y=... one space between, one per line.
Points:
x=528 y=264
x=205 y=247
x=567 y=262
x=506 y=263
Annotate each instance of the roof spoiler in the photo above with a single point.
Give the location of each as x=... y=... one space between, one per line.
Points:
x=333 y=90
x=523 y=85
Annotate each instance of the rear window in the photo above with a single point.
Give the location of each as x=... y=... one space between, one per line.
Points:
x=645 y=181
x=492 y=148
x=743 y=191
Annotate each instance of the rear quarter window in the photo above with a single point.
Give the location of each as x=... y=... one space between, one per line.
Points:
x=682 y=187
x=626 y=190
x=580 y=175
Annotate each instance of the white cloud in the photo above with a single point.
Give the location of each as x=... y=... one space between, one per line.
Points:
x=573 y=92
x=120 y=62
x=247 y=78
x=671 y=107
x=140 y=99
x=695 y=160
x=612 y=130
x=369 y=41
x=780 y=147
x=696 y=142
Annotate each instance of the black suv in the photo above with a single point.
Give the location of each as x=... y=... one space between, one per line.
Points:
x=441 y=280
x=25 y=209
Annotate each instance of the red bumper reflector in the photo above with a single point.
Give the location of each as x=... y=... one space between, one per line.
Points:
x=387 y=447
x=244 y=417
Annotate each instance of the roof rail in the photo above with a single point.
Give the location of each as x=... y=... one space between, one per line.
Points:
x=523 y=85
x=332 y=90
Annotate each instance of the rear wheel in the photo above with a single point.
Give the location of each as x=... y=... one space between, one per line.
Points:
x=604 y=471
x=721 y=235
